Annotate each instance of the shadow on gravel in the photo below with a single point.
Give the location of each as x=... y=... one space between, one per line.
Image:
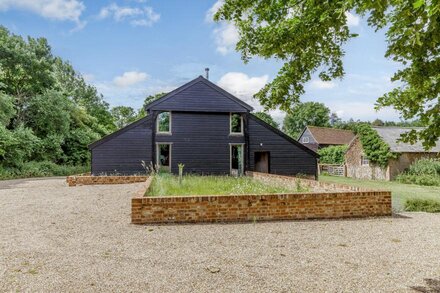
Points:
x=432 y=286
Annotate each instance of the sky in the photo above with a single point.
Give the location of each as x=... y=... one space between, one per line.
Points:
x=129 y=49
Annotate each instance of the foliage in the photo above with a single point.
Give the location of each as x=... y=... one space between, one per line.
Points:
x=40 y=169
x=303 y=114
x=422 y=205
x=123 y=115
x=47 y=111
x=149 y=99
x=422 y=172
x=332 y=154
x=376 y=150
x=166 y=184
x=309 y=37
x=267 y=118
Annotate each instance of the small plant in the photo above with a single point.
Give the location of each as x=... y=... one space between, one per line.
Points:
x=149 y=169
x=422 y=205
x=181 y=166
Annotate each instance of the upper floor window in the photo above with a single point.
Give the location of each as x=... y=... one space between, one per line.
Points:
x=236 y=123
x=365 y=161
x=164 y=122
x=305 y=139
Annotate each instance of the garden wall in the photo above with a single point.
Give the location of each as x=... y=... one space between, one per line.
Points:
x=232 y=208
x=96 y=180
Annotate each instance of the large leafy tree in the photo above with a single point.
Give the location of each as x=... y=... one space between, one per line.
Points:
x=123 y=115
x=308 y=37
x=267 y=118
x=303 y=114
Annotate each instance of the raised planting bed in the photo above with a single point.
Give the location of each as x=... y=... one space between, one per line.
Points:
x=254 y=198
x=97 y=180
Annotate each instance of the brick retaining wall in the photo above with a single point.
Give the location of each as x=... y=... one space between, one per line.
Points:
x=96 y=180
x=234 y=208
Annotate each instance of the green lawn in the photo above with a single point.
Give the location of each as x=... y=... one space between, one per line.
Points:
x=166 y=184
x=400 y=191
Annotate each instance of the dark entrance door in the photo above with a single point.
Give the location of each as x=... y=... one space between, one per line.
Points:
x=262 y=162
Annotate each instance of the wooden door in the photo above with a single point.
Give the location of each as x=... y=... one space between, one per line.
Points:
x=262 y=162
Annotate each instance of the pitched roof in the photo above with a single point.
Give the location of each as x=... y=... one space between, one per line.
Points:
x=326 y=135
x=208 y=84
x=390 y=135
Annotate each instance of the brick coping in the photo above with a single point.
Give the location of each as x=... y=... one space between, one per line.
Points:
x=88 y=179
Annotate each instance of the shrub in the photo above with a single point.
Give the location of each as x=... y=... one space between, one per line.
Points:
x=40 y=169
x=422 y=172
x=422 y=205
x=332 y=154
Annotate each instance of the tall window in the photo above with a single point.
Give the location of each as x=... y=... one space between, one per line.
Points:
x=365 y=161
x=163 y=155
x=164 y=122
x=236 y=123
x=236 y=153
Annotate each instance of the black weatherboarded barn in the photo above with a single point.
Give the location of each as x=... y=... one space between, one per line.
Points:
x=208 y=130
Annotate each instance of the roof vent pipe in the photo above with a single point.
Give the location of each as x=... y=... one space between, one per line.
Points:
x=207 y=73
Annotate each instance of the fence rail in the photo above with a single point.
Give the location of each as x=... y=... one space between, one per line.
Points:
x=332 y=169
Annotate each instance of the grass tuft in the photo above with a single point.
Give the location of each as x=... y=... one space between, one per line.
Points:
x=422 y=205
x=167 y=184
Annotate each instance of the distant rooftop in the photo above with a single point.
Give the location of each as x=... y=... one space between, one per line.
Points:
x=326 y=135
x=390 y=135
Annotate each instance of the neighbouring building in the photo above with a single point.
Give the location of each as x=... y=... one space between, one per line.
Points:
x=359 y=166
x=316 y=138
x=208 y=130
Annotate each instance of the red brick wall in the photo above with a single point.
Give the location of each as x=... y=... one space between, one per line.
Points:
x=233 y=208
x=96 y=180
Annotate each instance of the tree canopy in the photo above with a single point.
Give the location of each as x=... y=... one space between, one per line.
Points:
x=308 y=37
x=303 y=114
x=267 y=118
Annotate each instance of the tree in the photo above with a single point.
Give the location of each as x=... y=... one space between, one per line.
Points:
x=332 y=154
x=149 y=99
x=377 y=122
x=267 y=118
x=309 y=37
x=303 y=114
x=123 y=115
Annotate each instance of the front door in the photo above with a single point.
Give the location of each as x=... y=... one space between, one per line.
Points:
x=262 y=162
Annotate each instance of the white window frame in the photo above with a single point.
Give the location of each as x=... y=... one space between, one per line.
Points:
x=365 y=159
x=230 y=124
x=305 y=139
x=157 y=154
x=157 y=124
x=230 y=157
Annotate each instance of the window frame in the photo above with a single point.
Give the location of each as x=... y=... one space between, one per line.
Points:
x=241 y=124
x=170 y=124
x=304 y=139
x=365 y=159
x=242 y=158
x=158 y=144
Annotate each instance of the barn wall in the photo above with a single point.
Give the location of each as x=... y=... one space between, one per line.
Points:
x=124 y=150
x=201 y=142
x=286 y=158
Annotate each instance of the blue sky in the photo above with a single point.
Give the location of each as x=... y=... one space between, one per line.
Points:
x=131 y=48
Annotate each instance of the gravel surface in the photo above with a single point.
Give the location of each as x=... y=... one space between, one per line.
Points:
x=55 y=238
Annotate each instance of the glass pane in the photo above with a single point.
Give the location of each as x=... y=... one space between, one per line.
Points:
x=163 y=122
x=235 y=123
x=237 y=158
x=164 y=155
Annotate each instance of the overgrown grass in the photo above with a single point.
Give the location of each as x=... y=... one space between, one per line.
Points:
x=422 y=172
x=422 y=205
x=400 y=191
x=167 y=184
x=40 y=169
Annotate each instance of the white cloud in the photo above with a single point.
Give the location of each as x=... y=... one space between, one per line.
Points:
x=130 y=78
x=137 y=16
x=209 y=17
x=319 y=84
x=226 y=37
x=352 y=20
x=62 y=10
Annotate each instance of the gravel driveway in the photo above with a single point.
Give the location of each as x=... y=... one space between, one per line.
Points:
x=56 y=238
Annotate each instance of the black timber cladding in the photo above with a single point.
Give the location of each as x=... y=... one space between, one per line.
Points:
x=200 y=141
x=199 y=95
x=287 y=156
x=123 y=151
